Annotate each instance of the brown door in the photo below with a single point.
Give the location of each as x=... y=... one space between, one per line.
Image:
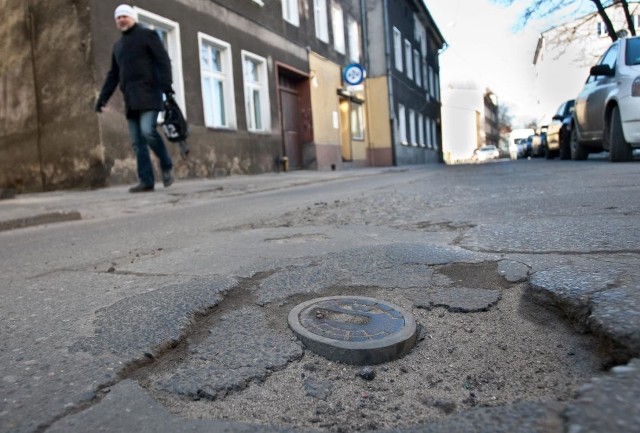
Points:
x=291 y=127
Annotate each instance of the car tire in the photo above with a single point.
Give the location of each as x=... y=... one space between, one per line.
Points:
x=619 y=149
x=578 y=152
x=548 y=154
x=565 y=145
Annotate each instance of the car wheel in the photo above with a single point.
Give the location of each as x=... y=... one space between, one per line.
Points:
x=547 y=153
x=565 y=146
x=578 y=153
x=619 y=149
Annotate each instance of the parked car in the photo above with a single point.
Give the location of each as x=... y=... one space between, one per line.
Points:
x=486 y=153
x=607 y=110
x=559 y=132
x=539 y=143
x=517 y=142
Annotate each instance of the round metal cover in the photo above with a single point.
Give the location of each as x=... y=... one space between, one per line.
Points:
x=354 y=329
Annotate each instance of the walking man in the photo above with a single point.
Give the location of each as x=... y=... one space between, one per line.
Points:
x=141 y=66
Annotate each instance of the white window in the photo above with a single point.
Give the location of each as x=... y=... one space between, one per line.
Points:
x=256 y=92
x=169 y=32
x=357 y=121
x=602 y=29
x=217 y=82
x=397 y=48
x=337 y=21
x=354 y=41
x=290 y=12
x=429 y=142
x=416 y=65
x=260 y=2
x=421 y=130
x=321 y=20
x=402 y=124
x=412 y=127
x=408 y=54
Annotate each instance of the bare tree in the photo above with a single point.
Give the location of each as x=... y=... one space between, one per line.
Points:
x=570 y=8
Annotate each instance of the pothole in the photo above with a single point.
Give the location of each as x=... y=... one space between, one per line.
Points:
x=511 y=351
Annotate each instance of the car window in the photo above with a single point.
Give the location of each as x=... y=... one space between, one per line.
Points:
x=633 y=51
x=610 y=56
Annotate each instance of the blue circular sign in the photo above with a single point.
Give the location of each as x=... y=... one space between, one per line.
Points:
x=353 y=74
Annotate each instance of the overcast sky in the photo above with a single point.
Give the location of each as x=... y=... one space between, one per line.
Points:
x=482 y=47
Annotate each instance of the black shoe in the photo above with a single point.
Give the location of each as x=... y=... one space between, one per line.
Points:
x=141 y=188
x=167 y=178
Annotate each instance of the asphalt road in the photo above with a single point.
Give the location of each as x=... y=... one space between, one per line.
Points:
x=167 y=311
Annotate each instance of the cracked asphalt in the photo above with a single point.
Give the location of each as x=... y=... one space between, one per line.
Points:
x=167 y=312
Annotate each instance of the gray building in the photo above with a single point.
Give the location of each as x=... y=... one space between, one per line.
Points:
x=258 y=80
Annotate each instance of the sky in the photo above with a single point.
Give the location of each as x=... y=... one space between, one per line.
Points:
x=484 y=48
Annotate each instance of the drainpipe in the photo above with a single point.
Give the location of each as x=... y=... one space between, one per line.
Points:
x=365 y=59
x=387 y=55
x=32 y=40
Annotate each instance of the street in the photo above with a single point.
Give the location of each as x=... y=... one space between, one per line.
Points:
x=168 y=311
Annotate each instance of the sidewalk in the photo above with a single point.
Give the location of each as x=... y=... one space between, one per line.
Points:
x=26 y=210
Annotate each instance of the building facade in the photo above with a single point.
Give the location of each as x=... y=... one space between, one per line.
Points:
x=260 y=82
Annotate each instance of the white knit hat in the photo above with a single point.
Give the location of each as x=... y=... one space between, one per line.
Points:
x=127 y=11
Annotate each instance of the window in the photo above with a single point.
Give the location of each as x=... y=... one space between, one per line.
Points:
x=412 y=127
x=397 y=48
x=431 y=84
x=408 y=54
x=357 y=123
x=217 y=82
x=290 y=12
x=402 y=124
x=260 y=2
x=421 y=130
x=169 y=32
x=354 y=41
x=425 y=74
x=434 y=134
x=256 y=92
x=429 y=142
x=321 y=21
x=437 y=85
x=602 y=29
x=416 y=65
x=337 y=21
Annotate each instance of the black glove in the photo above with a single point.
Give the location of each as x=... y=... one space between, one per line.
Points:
x=99 y=105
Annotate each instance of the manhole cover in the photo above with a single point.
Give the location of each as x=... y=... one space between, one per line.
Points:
x=354 y=329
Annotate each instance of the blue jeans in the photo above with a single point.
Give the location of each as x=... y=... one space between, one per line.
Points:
x=142 y=129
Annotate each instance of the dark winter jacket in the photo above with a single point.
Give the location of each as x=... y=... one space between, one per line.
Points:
x=141 y=66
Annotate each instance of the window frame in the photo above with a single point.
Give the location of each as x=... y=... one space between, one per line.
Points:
x=262 y=86
x=226 y=76
x=357 y=124
x=174 y=49
x=355 y=51
x=397 y=50
x=408 y=54
x=321 y=20
x=337 y=23
x=413 y=139
x=416 y=67
x=291 y=12
x=402 y=124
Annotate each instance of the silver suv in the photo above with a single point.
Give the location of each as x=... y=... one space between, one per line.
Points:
x=607 y=110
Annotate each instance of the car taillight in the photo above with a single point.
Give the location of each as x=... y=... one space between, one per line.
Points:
x=635 y=87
